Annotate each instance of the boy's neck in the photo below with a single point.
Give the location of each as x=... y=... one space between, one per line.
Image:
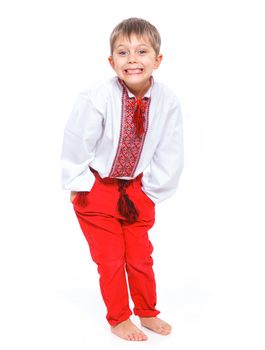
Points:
x=140 y=91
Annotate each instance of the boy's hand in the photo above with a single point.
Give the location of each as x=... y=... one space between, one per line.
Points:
x=73 y=195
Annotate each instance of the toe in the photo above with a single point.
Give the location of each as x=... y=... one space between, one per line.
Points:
x=144 y=337
x=165 y=330
x=139 y=336
x=132 y=336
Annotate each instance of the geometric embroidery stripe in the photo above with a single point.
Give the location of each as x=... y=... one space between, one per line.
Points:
x=146 y=125
x=130 y=144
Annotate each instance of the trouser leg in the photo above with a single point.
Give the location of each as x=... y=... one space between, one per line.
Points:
x=115 y=243
x=106 y=243
x=138 y=250
x=139 y=266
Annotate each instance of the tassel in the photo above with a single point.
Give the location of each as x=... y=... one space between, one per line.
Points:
x=125 y=206
x=138 y=117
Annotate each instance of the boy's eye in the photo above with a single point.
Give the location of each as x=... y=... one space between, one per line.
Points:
x=123 y=53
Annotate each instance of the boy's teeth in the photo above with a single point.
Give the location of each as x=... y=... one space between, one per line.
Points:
x=137 y=70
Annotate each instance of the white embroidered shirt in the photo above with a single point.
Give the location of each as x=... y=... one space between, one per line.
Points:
x=100 y=133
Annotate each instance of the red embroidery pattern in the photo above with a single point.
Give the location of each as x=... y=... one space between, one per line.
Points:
x=130 y=142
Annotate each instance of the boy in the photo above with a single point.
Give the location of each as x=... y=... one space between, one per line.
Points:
x=122 y=154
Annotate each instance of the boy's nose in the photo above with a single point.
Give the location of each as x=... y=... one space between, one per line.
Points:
x=131 y=58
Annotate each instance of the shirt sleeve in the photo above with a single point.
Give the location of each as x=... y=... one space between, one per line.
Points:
x=81 y=134
x=161 y=179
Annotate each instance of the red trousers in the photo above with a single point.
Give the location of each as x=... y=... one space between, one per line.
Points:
x=119 y=247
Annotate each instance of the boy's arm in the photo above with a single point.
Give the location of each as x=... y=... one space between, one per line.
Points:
x=81 y=134
x=161 y=180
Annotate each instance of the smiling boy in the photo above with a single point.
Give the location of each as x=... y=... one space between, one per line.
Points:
x=134 y=59
x=122 y=154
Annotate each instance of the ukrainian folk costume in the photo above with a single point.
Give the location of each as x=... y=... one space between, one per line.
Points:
x=122 y=155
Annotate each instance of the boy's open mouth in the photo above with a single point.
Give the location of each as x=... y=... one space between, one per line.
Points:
x=134 y=70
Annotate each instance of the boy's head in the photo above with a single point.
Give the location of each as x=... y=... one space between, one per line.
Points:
x=140 y=28
x=135 y=53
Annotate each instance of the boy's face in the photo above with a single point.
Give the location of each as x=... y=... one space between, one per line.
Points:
x=134 y=60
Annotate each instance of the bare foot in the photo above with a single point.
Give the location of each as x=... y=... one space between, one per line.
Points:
x=128 y=331
x=156 y=324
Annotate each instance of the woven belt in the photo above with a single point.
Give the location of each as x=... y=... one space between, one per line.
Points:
x=125 y=205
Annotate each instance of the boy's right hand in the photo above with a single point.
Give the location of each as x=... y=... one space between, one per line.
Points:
x=73 y=195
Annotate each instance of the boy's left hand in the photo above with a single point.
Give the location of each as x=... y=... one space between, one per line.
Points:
x=73 y=195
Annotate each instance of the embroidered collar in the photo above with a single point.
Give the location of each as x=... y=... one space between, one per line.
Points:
x=131 y=95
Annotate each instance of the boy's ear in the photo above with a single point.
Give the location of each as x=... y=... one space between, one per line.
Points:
x=158 y=60
x=110 y=59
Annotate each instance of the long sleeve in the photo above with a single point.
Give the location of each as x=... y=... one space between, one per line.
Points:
x=81 y=133
x=161 y=179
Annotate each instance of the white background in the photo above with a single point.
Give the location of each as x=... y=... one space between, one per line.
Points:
x=208 y=238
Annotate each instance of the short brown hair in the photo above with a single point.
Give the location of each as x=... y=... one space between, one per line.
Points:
x=139 y=27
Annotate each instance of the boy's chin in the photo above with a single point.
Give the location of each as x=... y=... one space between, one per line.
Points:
x=135 y=79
